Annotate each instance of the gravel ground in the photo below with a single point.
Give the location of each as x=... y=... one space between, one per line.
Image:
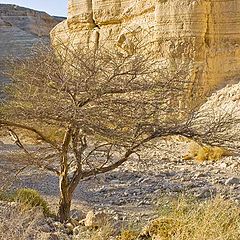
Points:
x=133 y=190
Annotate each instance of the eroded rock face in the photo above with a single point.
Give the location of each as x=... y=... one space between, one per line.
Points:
x=203 y=35
x=20 y=29
x=28 y=20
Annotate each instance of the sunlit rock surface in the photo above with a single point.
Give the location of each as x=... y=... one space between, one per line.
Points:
x=202 y=35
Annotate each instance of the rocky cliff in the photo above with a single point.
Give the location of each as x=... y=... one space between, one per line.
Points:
x=20 y=29
x=203 y=35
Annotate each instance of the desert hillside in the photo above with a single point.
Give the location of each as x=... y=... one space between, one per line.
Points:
x=20 y=29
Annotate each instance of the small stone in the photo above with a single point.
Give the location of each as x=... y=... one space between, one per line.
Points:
x=223 y=165
x=234 y=165
x=199 y=175
x=76 y=214
x=58 y=225
x=205 y=193
x=115 y=181
x=69 y=227
x=95 y=220
x=81 y=232
x=46 y=228
x=232 y=181
x=13 y=204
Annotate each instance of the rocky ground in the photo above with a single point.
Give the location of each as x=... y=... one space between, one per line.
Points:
x=130 y=194
x=133 y=190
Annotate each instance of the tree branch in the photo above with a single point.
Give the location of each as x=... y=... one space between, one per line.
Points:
x=42 y=136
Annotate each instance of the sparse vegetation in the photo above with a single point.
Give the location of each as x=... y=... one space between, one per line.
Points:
x=205 y=153
x=101 y=107
x=105 y=232
x=181 y=218
x=128 y=235
x=189 y=219
x=19 y=225
x=30 y=198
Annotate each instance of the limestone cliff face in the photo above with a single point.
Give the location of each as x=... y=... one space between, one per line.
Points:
x=20 y=29
x=202 y=35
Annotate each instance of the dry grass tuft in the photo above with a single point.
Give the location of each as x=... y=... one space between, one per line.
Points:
x=190 y=220
x=103 y=233
x=205 y=153
x=127 y=235
x=29 y=198
x=187 y=219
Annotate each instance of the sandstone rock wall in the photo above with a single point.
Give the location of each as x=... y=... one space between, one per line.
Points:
x=203 y=35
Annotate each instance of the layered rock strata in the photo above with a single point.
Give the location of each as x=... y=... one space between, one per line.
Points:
x=202 y=35
x=20 y=29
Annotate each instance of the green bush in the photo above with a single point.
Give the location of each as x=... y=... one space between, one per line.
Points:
x=31 y=198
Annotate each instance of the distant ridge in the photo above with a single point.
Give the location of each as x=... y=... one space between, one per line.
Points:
x=29 y=20
x=20 y=29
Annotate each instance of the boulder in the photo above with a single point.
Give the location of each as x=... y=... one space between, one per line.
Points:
x=232 y=181
x=96 y=219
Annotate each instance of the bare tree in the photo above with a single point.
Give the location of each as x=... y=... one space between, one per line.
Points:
x=93 y=109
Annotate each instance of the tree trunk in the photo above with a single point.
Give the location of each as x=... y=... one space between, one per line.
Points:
x=65 y=194
x=64 y=209
x=65 y=201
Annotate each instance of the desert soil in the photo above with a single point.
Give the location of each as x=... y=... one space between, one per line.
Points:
x=132 y=191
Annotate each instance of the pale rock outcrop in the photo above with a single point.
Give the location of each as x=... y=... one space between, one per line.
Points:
x=225 y=100
x=203 y=35
x=220 y=116
x=96 y=220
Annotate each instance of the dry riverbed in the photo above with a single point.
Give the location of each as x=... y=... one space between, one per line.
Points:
x=133 y=190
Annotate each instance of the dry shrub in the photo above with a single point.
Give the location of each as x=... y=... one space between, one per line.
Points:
x=163 y=228
x=103 y=233
x=30 y=198
x=191 y=220
x=205 y=153
x=128 y=235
